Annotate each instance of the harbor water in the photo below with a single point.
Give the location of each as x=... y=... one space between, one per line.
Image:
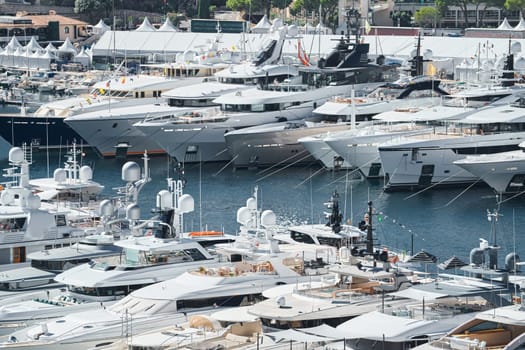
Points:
x=444 y=222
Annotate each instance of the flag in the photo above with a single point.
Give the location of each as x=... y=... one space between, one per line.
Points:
x=367 y=27
x=123 y=80
x=431 y=69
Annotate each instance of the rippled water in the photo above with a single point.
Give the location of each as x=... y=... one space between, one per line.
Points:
x=443 y=222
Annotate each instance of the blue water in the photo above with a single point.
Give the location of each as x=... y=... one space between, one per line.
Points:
x=443 y=222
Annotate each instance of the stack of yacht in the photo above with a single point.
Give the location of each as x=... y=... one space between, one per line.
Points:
x=45 y=128
x=29 y=225
x=428 y=160
x=260 y=263
x=289 y=100
x=114 y=130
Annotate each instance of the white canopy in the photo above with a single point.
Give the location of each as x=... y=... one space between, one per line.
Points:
x=521 y=24
x=51 y=48
x=167 y=26
x=376 y=325
x=418 y=294
x=13 y=44
x=82 y=57
x=33 y=45
x=100 y=28
x=263 y=26
x=146 y=26
x=237 y=314
x=505 y=25
x=67 y=46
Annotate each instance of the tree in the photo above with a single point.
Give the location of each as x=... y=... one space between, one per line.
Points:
x=250 y=6
x=427 y=16
x=328 y=9
x=402 y=18
x=95 y=9
x=515 y=5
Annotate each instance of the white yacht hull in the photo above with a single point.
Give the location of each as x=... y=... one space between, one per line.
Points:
x=505 y=172
x=193 y=143
x=274 y=147
x=106 y=134
x=415 y=165
x=322 y=152
x=361 y=150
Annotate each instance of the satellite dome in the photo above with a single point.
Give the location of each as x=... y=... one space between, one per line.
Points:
x=105 y=208
x=16 y=155
x=268 y=218
x=186 y=203
x=164 y=200
x=243 y=215
x=133 y=211
x=85 y=173
x=130 y=172
x=251 y=203
x=60 y=175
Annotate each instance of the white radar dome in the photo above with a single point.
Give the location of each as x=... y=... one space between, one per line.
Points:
x=519 y=64
x=428 y=54
x=251 y=203
x=133 y=212
x=293 y=30
x=243 y=215
x=60 y=175
x=186 y=203
x=105 y=208
x=16 y=155
x=85 y=173
x=130 y=172
x=268 y=218
x=164 y=200
x=515 y=47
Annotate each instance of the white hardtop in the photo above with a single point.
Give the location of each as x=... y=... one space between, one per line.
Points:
x=125 y=112
x=248 y=70
x=499 y=114
x=202 y=90
x=158 y=245
x=140 y=83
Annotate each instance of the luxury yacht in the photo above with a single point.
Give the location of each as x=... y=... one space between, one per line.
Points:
x=99 y=240
x=501 y=328
x=73 y=182
x=29 y=225
x=260 y=264
x=504 y=172
x=290 y=100
x=428 y=160
x=407 y=92
x=430 y=311
x=113 y=131
x=45 y=128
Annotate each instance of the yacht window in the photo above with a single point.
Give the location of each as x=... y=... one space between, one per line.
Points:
x=136 y=95
x=142 y=94
x=60 y=220
x=258 y=108
x=154 y=93
x=272 y=107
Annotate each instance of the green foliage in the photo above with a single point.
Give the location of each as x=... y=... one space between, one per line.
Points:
x=427 y=17
x=402 y=18
x=95 y=9
x=250 y=6
x=328 y=9
x=515 y=5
